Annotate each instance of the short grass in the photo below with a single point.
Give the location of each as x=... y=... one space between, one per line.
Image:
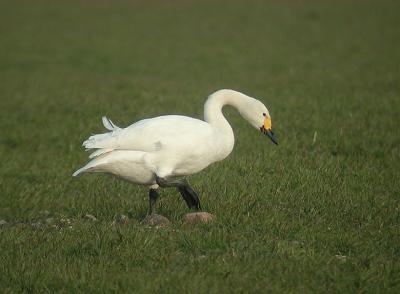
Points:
x=318 y=213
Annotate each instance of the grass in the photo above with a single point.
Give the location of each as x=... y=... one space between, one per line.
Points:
x=318 y=213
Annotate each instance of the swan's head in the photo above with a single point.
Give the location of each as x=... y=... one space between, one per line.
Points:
x=255 y=112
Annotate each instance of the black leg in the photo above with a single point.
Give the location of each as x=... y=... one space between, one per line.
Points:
x=189 y=195
x=153 y=195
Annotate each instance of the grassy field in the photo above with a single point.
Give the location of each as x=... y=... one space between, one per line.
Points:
x=318 y=213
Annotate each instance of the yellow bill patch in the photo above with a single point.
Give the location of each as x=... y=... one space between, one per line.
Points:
x=267 y=123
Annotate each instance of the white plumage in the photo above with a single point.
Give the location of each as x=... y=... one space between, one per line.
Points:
x=172 y=145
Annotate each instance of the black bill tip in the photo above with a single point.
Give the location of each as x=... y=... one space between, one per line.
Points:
x=270 y=134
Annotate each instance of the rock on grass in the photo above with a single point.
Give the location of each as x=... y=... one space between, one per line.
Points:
x=3 y=223
x=49 y=220
x=122 y=220
x=36 y=225
x=155 y=220
x=90 y=217
x=198 y=217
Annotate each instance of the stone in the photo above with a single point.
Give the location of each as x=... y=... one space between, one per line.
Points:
x=155 y=220
x=90 y=217
x=122 y=220
x=21 y=226
x=3 y=223
x=198 y=217
x=298 y=243
x=341 y=258
x=36 y=225
x=49 y=220
x=45 y=213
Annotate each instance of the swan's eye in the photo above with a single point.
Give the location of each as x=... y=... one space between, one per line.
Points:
x=264 y=114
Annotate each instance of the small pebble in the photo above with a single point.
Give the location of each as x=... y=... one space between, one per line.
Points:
x=21 y=226
x=3 y=223
x=45 y=212
x=122 y=220
x=298 y=243
x=36 y=225
x=90 y=217
x=49 y=220
x=155 y=220
x=341 y=258
x=198 y=217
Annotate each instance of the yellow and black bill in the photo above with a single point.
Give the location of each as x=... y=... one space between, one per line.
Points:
x=267 y=130
x=270 y=134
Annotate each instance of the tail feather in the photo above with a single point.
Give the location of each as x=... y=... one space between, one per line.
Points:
x=79 y=171
x=99 y=152
x=103 y=141
x=92 y=166
x=108 y=124
x=100 y=141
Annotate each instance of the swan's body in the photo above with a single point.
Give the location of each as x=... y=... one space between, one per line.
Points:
x=166 y=146
x=172 y=145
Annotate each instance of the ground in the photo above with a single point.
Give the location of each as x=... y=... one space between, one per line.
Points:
x=318 y=213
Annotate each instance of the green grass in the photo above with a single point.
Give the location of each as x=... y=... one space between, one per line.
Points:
x=305 y=216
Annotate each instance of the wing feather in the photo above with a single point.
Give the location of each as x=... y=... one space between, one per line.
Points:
x=149 y=135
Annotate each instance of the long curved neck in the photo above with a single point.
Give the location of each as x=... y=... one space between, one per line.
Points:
x=213 y=108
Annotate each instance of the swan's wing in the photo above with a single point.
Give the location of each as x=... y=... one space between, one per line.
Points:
x=149 y=135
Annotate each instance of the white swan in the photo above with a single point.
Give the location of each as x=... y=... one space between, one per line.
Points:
x=155 y=151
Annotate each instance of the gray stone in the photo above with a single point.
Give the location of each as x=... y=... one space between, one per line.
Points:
x=90 y=217
x=122 y=220
x=341 y=258
x=45 y=212
x=198 y=217
x=36 y=225
x=155 y=220
x=49 y=220
x=21 y=226
x=3 y=223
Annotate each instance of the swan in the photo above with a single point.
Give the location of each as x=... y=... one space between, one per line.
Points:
x=156 y=152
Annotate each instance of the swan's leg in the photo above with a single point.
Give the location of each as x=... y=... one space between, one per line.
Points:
x=188 y=194
x=154 y=219
x=191 y=197
x=153 y=195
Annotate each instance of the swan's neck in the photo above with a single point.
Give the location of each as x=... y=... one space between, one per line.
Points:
x=213 y=108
